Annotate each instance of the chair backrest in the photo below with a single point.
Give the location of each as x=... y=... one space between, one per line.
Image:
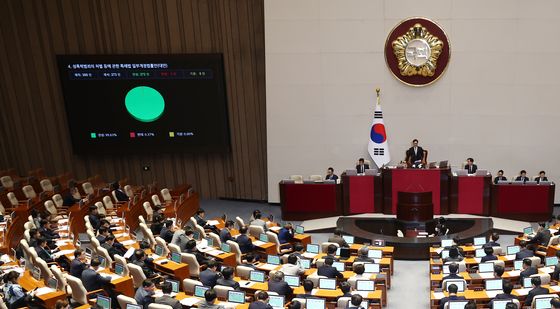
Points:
x=255 y=230
x=128 y=191
x=46 y=272
x=137 y=274
x=141 y=219
x=189 y=284
x=316 y=177
x=545 y=278
x=243 y=271
x=222 y=291
x=352 y=282
x=535 y=260
x=28 y=225
x=60 y=277
x=161 y=242
x=2 y=304
x=46 y=185
x=554 y=240
x=88 y=188
x=200 y=230
x=13 y=199
x=166 y=195
x=325 y=246
x=315 y=278
x=497 y=250
x=173 y=248
x=123 y=300
x=27 y=253
x=149 y=210
x=114 y=195
x=343 y=302
x=215 y=239
x=2 y=209
x=58 y=200
x=148 y=235
x=7 y=182
x=155 y=200
x=29 y=192
x=108 y=202
x=104 y=253
x=159 y=306
x=50 y=207
x=235 y=249
x=496 y=262
x=273 y=238
x=462 y=265
x=240 y=222
x=100 y=208
x=26 y=235
x=121 y=260
x=297 y=178
x=190 y=259
x=79 y=293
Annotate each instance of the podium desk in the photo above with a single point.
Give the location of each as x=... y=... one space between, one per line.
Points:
x=470 y=195
x=304 y=201
x=362 y=194
x=415 y=180
x=527 y=202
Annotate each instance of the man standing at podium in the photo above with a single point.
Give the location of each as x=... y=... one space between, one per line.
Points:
x=361 y=167
x=471 y=167
x=415 y=154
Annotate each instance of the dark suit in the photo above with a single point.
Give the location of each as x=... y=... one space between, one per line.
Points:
x=415 y=156
x=92 y=280
x=121 y=196
x=522 y=178
x=556 y=274
x=531 y=270
x=112 y=250
x=471 y=169
x=148 y=271
x=200 y=221
x=280 y=287
x=228 y=282
x=534 y=292
x=166 y=234
x=360 y=169
x=77 y=267
x=339 y=240
x=541 y=238
x=331 y=177
x=452 y=276
x=539 y=179
x=502 y=296
x=491 y=244
x=285 y=235
x=498 y=178
x=170 y=301
x=259 y=305
x=44 y=254
x=446 y=299
x=329 y=272
x=95 y=221
x=524 y=253
x=209 y=277
x=225 y=235
x=245 y=243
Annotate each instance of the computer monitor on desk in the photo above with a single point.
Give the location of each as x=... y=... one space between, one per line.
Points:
x=461 y=172
x=443 y=164
x=481 y=172
x=351 y=172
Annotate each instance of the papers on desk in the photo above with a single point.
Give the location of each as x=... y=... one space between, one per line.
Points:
x=61 y=253
x=116 y=220
x=510 y=257
x=190 y=301
x=523 y=292
x=377 y=261
x=43 y=290
x=129 y=253
x=547 y=270
x=212 y=222
x=309 y=255
x=128 y=242
x=555 y=288
x=492 y=294
x=63 y=221
x=267 y=266
x=486 y=275
x=205 y=249
x=439 y=295
x=246 y=284
x=258 y=243
x=5 y=258
x=161 y=261
x=154 y=256
x=514 y=273
x=117 y=228
x=117 y=235
x=15 y=268
x=553 y=231
x=63 y=242
x=275 y=228
x=215 y=252
x=113 y=276
x=228 y=305
x=159 y=293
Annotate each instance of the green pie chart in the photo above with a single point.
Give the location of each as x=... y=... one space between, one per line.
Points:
x=144 y=103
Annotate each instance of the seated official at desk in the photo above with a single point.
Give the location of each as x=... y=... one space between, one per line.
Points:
x=328 y=270
x=542 y=237
x=227 y=278
x=525 y=251
x=493 y=240
x=356 y=301
x=537 y=290
x=522 y=176
x=507 y=287
x=556 y=273
x=210 y=297
x=528 y=270
x=91 y=278
x=292 y=268
x=452 y=289
x=112 y=248
x=167 y=232
x=225 y=233
x=363 y=255
x=415 y=154
x=285 y=235
x=489 y=251
x=210 y=275
x=13 y=292
x=359 y=270
x=542 y=177
x=191 y=248
x=78 y=265
x=166 y=298
x=259 y=222
x=500 y=177
x=453 y=270
x=454 y=256
x=248 y=261
x=330 y=174
x=144 y=262
x=145 y=294
x=261 y=301
x=278 y=285
x=345 y=288
x=120 y=195
x=555 y=302
x=470 y=166
x=361 y=167
x=337 y=238
x=498 y=271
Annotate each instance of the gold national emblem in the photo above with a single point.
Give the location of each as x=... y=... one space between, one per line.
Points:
x=417 y=51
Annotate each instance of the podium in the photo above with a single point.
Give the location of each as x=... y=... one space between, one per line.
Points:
x=415 y=206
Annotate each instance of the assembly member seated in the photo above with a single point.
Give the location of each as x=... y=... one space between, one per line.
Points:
x=415 y=154
x=542 y=177
x=471 y=167
x=537 y=290
x=227 y=278
x=453 y=270
x=556 y=274
x=261 y=301
x=278 y=285
x=522 y=176
x=330 y=174
x=500 y=177
x=361 y=167
x=528 y=270
x=507 y=287
x=328 y=270
x=166 y=298
x=337 y=238
x=489 y=251
x=452 y=289
x=92 y=280
x=542 y=237
x=525 y=251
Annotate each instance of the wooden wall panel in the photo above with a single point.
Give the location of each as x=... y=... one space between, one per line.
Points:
x=34 y=132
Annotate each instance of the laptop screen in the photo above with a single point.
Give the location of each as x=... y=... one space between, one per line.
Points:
x=517 y=265
x=444 y=254
x=344 y=252
x=273 y=259
x=543 y=303
x=196 y=235
x=457 y=304
x=446 y=269
x=312 y=248
x=299 y=229
x=133 y=306
x=446 y=243
x=174 y=285
x=479 y=241
x=500 y=304
x=257 y=276
x=176 y=257
x=199 y=290
x=226 y=248
x=479 y=253
x=103 y=302
x=513 y=249
x=209 y=241
x=339 y=266
x=493 y=284
x=349 y=239
x=459 y=283
x=119 y=269
x=551 y=260
x=236 y=297
x=276 y=302
x=527 y=283
x=375 y=254
x=486 y=267
x=52 y=283
x=327 y=284
x=371 y=268
x=292 y=281
x=315 y=303
x=306 y=264
x=365 y=285
x=159 y=250
x=528 y=230
x=263 y=237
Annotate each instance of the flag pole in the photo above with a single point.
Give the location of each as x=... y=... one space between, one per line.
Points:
x=377 y=90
